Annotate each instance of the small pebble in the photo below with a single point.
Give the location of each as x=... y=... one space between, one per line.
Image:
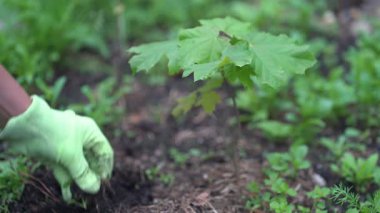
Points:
x=318 y=179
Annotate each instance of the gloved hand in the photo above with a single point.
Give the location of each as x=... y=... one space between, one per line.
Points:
x=72 y=145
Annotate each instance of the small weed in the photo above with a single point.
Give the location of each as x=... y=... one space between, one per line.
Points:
x=281 y=205
x=102 y=102
x=152 y=173
x=317 y=196
x=358 y=171
x=279 y=186
x=340 y=146
x=167 y=179
x=345 y=142
x=343 y=196
x=290 y=163
x=179 y=158
x=11 y=182
x=155 y=173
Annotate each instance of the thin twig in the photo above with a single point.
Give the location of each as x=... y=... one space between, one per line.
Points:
x=212 y=207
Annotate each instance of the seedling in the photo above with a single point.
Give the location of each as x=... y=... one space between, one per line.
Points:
x=11 y=181
x=155 y=173
x=256 y=199
x=228 y=49
x=224 y=51
x=51 y=93
x=279 y=186
x=275 y=129
x=102 y=102
x=297 y=157
x=275 y=193
x=178 y=157
x=359 y=171
x=152 y=173
x=340 y=146
x=303 y=209
x=345 y=142
x=281 y=205
x=314 y=102
x=364 y=62
x=167 y=179
x=317 y=195
x=275 y=198
x=289 y=163
x=343 y=196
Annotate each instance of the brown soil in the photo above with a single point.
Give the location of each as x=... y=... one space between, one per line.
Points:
x=205 y=183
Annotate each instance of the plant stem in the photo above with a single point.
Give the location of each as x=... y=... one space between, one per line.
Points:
x=119 y=58
x=234 y=143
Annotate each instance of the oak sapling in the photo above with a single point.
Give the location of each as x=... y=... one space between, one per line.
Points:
x=224 y=51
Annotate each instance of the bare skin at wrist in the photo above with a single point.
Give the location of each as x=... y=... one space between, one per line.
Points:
x=13 y=98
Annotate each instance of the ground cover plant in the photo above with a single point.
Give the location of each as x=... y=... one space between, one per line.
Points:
x=210 y=106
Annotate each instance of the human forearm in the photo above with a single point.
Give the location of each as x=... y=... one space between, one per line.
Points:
x=13 y=98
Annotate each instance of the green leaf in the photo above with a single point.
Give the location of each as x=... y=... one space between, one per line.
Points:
x=211 y=85
x=275 y=129
x=349 y=162
x=208 y=101
x=298 y=151
x=376 y=176
x=253 y=187
x=148 y=55
x=278 y=161
x=318 y=193
x=298 y=154
x=352 y=211
x=184 y=105
x=242 y=74
x=366 y=168
x=372 y=160
x=200 y=45
x=239 y=54
x=276 y=58
x=205 y=96
x=376 y=200
x=227 y=45
x=228 y=25
x=206 y=43
x=280 y=205
x=201 y=71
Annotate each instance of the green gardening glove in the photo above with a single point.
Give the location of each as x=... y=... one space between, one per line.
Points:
x=72 y=145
